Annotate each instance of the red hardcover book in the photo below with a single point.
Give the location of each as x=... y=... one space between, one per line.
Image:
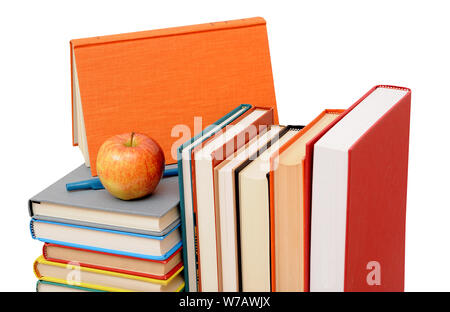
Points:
x=358 y=198
x=157 y=269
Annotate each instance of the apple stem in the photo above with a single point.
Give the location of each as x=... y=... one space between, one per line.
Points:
x=132 y=137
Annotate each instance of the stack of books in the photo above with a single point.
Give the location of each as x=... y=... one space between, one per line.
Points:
x=95 y=242
x=149 y=82
x=256 y=206
x=292 y=208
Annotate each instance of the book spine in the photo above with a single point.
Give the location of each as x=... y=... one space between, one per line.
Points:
x=182 y=214
x=33 y=235
x=35 y=269
x=30 y=207
x=71 y=93
x=44 y=251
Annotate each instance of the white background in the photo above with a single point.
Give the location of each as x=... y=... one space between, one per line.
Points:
x=325 y=54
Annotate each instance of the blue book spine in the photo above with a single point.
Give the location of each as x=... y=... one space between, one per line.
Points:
x=113 y=251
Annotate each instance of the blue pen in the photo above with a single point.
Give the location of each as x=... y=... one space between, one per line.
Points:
x=95 y=184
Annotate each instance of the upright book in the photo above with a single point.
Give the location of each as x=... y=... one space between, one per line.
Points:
x=185 y=189
x=204 y=159
x=289 y=209
x=130 y=81
x=225 y=200
x=252 y=209
x=359 y=183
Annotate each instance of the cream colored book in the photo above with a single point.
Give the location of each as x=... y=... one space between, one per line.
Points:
x=226 y=205
x=205 y=158
x=116 y=242
x=254 y=217
x=186 y=193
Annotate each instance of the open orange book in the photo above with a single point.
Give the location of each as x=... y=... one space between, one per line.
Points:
x=151 y=81
x=289 y=215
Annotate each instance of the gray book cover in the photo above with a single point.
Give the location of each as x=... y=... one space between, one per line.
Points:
x=163 y=199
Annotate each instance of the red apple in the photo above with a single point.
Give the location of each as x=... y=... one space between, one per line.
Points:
x=130 y=165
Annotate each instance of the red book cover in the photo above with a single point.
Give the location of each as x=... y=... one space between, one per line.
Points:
x=382 y=222
x=375 y=201
x=120 y=259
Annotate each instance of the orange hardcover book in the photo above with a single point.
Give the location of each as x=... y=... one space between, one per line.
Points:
x=151 y=81
x=289 y=216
